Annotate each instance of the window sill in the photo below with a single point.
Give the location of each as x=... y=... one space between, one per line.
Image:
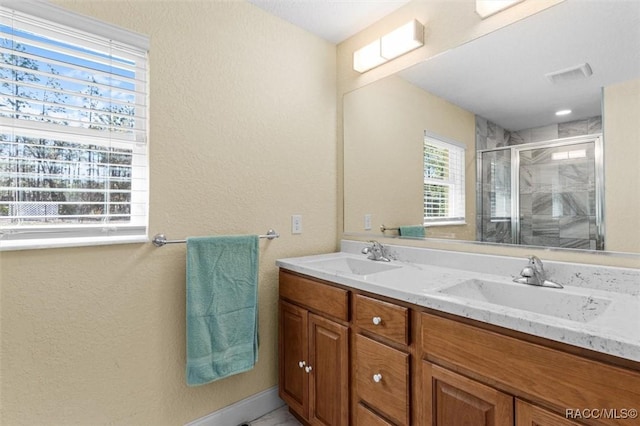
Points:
x=70 y=242
x=449 y=223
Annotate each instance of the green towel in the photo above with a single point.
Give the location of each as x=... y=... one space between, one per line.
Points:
x=222 y=307
x=416 y=231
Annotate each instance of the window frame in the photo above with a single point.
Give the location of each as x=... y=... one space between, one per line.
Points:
x=456 y=182
x=69 y=235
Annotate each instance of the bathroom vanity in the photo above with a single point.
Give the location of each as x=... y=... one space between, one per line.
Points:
x=423 y=341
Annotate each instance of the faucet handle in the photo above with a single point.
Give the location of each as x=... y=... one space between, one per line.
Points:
x=536 y=263
x=527 y=272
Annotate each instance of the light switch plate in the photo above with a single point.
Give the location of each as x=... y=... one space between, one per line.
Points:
x=296 y=224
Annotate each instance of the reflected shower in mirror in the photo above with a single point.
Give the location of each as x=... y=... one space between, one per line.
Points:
x=545 y=194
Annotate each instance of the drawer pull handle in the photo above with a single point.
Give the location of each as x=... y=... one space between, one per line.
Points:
x=308 y=369
x=376 y=320
x=377 y=378
x=301 y=364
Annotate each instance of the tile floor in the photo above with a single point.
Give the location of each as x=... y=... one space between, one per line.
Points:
x=279 y=417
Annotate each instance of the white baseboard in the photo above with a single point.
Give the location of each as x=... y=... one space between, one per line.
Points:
x=242 y=411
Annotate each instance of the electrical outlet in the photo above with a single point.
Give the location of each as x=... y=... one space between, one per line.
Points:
x=367 y=222
x=296 y=224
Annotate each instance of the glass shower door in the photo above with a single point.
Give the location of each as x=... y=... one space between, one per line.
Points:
x=496 y=205
x=558 y=199
x=546 y=194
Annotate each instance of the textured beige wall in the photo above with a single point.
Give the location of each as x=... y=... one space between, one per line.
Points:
x=242 y=119
x=384 y=123
x=622 y=166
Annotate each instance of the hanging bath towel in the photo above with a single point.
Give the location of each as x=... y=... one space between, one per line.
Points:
x=411 y=231
x=222 y=307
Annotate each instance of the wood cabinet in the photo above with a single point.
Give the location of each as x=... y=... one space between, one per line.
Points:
x=347 y=357
x=381 y=360
x=383 y=319
x=382 y=379
x=293 y=356
x=530 y=415
x=452 y=399
x=366 y=417
x=313 y=364
x=545 y=375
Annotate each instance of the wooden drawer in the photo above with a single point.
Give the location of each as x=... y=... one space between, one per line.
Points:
x=318 y=297
x=366 y=417
x=382 y=318
x=530 y=415
x=390 y=394
x=538 y=373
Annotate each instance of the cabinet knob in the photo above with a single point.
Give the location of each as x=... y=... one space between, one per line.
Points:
x=301 y=364
x=376 y=320
x=377 y=378
x=308 y=369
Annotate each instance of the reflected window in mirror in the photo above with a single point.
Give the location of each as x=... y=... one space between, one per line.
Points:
x=443 y=181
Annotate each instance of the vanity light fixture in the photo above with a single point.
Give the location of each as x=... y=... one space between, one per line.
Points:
x=403 y=39
x=368 y=57
x=486 y=8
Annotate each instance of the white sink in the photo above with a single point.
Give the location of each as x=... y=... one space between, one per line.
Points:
x=558 y=303
x=351 y=266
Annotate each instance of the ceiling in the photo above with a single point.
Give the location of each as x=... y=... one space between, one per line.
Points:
x=332 y=20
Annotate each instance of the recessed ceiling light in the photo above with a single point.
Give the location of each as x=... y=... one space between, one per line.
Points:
x=563 y=112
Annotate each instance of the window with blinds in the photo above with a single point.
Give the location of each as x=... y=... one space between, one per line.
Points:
x=73 y=131
x=443 y=181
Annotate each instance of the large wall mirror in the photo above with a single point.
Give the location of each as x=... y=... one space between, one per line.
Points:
x=531 y=177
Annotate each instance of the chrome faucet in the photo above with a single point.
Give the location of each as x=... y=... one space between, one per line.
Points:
x=377 y=252
x=534 y=274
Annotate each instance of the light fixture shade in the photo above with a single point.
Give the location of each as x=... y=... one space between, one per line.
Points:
x=486 y=8
x=368 y=57
x=402 y=40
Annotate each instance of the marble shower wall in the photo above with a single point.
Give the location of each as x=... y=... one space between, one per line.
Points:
x=557 y=198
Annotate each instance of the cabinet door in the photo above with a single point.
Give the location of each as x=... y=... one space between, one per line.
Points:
x=452 y=399
x=329 y=377
x=293 y=358
x=530 y=415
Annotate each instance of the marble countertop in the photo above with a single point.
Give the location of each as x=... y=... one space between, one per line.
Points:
x=616 y=331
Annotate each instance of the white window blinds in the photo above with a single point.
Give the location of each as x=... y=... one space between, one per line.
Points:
x=443 y=181
x=73 y=133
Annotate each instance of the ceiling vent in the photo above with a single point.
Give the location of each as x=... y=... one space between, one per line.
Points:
x=569 y=74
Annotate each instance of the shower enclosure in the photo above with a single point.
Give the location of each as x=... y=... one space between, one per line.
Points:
x=544 y=194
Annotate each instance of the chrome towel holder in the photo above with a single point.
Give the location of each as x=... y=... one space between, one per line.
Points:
x=160 y=239
x=384 y=228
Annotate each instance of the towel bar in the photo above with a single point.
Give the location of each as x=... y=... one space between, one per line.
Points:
x=384 y=228
x=160 y=239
